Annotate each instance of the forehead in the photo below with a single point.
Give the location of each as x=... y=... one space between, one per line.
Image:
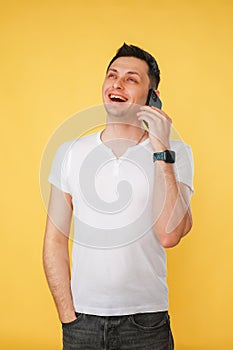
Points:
x=126 y=64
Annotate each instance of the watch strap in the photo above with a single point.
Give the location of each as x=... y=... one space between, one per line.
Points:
x=166 y=156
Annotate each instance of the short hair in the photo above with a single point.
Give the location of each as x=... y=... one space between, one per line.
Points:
x=134 y=51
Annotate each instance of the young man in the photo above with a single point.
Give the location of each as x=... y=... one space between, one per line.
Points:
x=129 y=190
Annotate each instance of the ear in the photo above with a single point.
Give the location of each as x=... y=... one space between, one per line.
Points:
x=157 y=92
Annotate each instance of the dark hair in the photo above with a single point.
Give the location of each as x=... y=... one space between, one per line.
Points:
x=134 y=51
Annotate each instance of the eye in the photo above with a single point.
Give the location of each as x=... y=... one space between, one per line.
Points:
x=111 y=75
x=132 y=80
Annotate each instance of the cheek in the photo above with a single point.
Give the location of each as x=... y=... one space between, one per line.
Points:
x=140 y=92
x=142 y=97
x=103 y=88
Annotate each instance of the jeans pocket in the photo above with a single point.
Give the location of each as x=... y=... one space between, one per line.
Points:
x=79 y=316
x=150 y=320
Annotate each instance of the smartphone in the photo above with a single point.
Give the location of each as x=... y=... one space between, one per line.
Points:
x=152 y=100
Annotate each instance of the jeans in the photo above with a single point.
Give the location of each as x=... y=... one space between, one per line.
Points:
x=141 y=331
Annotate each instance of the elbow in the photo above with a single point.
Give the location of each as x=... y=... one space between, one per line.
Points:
x=168 y=239
x=169 y=242
x=171 y=239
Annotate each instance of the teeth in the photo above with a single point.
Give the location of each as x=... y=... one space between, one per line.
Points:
x=118 y=97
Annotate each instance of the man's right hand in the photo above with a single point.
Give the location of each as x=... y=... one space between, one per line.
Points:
x=68 y=319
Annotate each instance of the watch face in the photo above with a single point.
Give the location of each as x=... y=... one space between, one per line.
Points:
x=170 y=156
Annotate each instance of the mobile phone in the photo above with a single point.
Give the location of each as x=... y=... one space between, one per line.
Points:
x=153 y=100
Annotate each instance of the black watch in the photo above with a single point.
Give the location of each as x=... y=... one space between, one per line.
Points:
x=167 y=156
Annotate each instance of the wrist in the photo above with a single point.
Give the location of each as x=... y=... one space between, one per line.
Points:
x=160 y=147
x=67 y=317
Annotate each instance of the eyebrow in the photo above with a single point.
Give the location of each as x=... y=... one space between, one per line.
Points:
x=129 y=72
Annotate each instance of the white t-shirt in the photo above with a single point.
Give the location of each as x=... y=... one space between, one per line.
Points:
x=118 y=265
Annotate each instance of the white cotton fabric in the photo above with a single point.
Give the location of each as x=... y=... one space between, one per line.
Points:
x=118 y=265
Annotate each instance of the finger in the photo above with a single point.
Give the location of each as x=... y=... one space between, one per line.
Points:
x=158 y=115
x=153 y=116
x=157 y=111
x=151 y=120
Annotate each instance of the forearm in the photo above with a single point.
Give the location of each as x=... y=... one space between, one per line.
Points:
x=57 y=270
x=171 y=212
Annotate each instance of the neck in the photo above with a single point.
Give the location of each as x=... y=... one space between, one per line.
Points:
x=123 y=130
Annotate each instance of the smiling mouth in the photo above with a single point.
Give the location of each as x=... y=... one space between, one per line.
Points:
x=117 y=98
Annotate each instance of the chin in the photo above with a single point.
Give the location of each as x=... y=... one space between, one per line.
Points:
x=121 y=110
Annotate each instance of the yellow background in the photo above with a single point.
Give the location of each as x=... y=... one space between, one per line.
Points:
x=53 y=60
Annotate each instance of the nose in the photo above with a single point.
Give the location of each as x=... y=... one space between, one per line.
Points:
x=118 y=84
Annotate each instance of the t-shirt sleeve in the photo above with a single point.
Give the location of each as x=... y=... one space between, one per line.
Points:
x=184 y=167
x=59 y=172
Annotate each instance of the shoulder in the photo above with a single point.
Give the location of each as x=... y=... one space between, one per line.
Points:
x=88 y=139
x=84 y=140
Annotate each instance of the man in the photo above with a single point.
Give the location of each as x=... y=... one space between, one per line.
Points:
x=129 y=203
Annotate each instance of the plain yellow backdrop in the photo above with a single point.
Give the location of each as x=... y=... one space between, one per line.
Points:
x=53 y=59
